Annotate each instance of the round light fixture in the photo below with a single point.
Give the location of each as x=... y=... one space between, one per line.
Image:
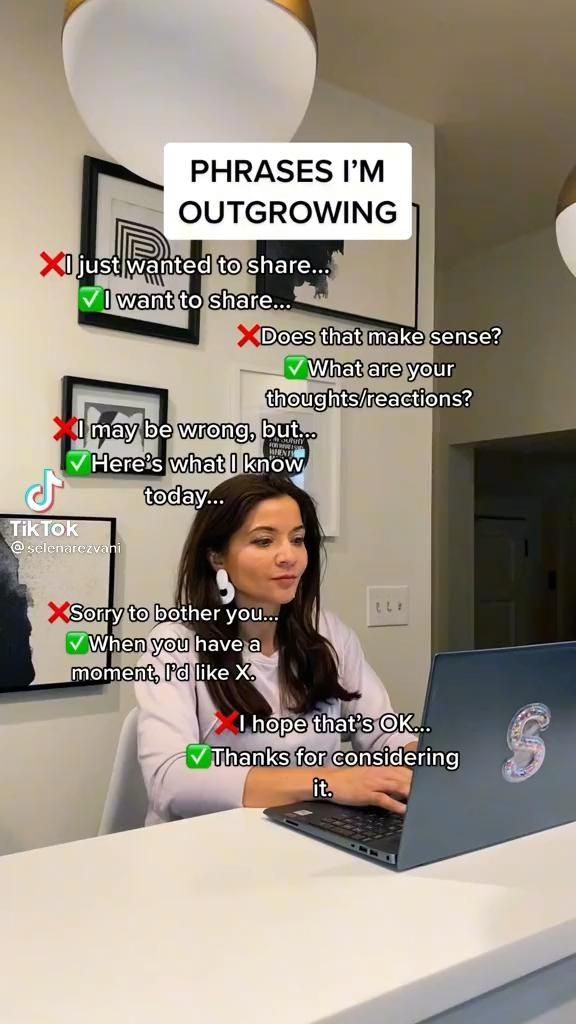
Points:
x=146 y=72
x=566 y=222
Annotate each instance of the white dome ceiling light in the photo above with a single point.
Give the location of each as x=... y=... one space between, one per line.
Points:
x=566 y=222
x=143 y=73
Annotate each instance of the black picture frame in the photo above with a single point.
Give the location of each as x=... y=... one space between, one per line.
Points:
x=93 y=169
x=263 y=287
x=33 y=688
x=69 y=386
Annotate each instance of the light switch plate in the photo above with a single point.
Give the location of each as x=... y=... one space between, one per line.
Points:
x=387 y=606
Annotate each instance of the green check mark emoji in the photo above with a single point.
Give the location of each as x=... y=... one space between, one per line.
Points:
x=296 y=368
x=198 y=755
x=79 y=463
x=91 y=300
x=77 y=643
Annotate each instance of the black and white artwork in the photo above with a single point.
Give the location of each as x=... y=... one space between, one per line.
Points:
x=112 y=417
x=46 y=566
x=375 y=282
x=123 y=217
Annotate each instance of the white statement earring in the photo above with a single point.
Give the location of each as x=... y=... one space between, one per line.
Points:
x=225 y=587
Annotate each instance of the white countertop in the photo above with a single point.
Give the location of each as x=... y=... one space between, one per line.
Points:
x=232 y=917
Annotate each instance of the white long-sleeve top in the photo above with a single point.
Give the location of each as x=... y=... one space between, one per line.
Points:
x=174 y=714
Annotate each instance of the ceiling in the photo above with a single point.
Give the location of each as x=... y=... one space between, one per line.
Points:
x=496 y=78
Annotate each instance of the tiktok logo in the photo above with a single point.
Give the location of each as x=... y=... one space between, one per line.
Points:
x=524 y=740
x=40 y=497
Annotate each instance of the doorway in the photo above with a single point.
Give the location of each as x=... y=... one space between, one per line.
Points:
x=524 y=543
x=502 y=593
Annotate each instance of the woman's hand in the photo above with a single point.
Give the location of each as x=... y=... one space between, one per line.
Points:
x=378 y=787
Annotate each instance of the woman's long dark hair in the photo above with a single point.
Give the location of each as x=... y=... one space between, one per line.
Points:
x=307 y=662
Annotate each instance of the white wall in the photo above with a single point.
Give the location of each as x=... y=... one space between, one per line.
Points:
x=523 y=386
x=56 y=749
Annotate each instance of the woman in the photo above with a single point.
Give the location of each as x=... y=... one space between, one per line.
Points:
x=255 y=553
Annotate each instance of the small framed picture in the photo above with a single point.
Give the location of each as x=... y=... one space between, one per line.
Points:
x=314 y=455
x=47 y=566
x=122 y=217
x=108 y=417
x=373 y=282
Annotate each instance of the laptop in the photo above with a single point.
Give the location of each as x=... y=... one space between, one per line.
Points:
x=510 y=715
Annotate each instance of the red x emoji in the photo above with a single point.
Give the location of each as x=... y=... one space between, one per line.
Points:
x=52 y=263
x=226 y=721
x=59 y=611
x=65 y=428
x=248 y=335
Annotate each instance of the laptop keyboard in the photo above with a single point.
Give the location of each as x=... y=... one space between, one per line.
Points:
x=363 y=825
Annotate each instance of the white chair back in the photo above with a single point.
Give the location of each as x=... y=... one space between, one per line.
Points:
x=126 y=802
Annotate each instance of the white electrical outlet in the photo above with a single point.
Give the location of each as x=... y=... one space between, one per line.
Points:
x=387 y=606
